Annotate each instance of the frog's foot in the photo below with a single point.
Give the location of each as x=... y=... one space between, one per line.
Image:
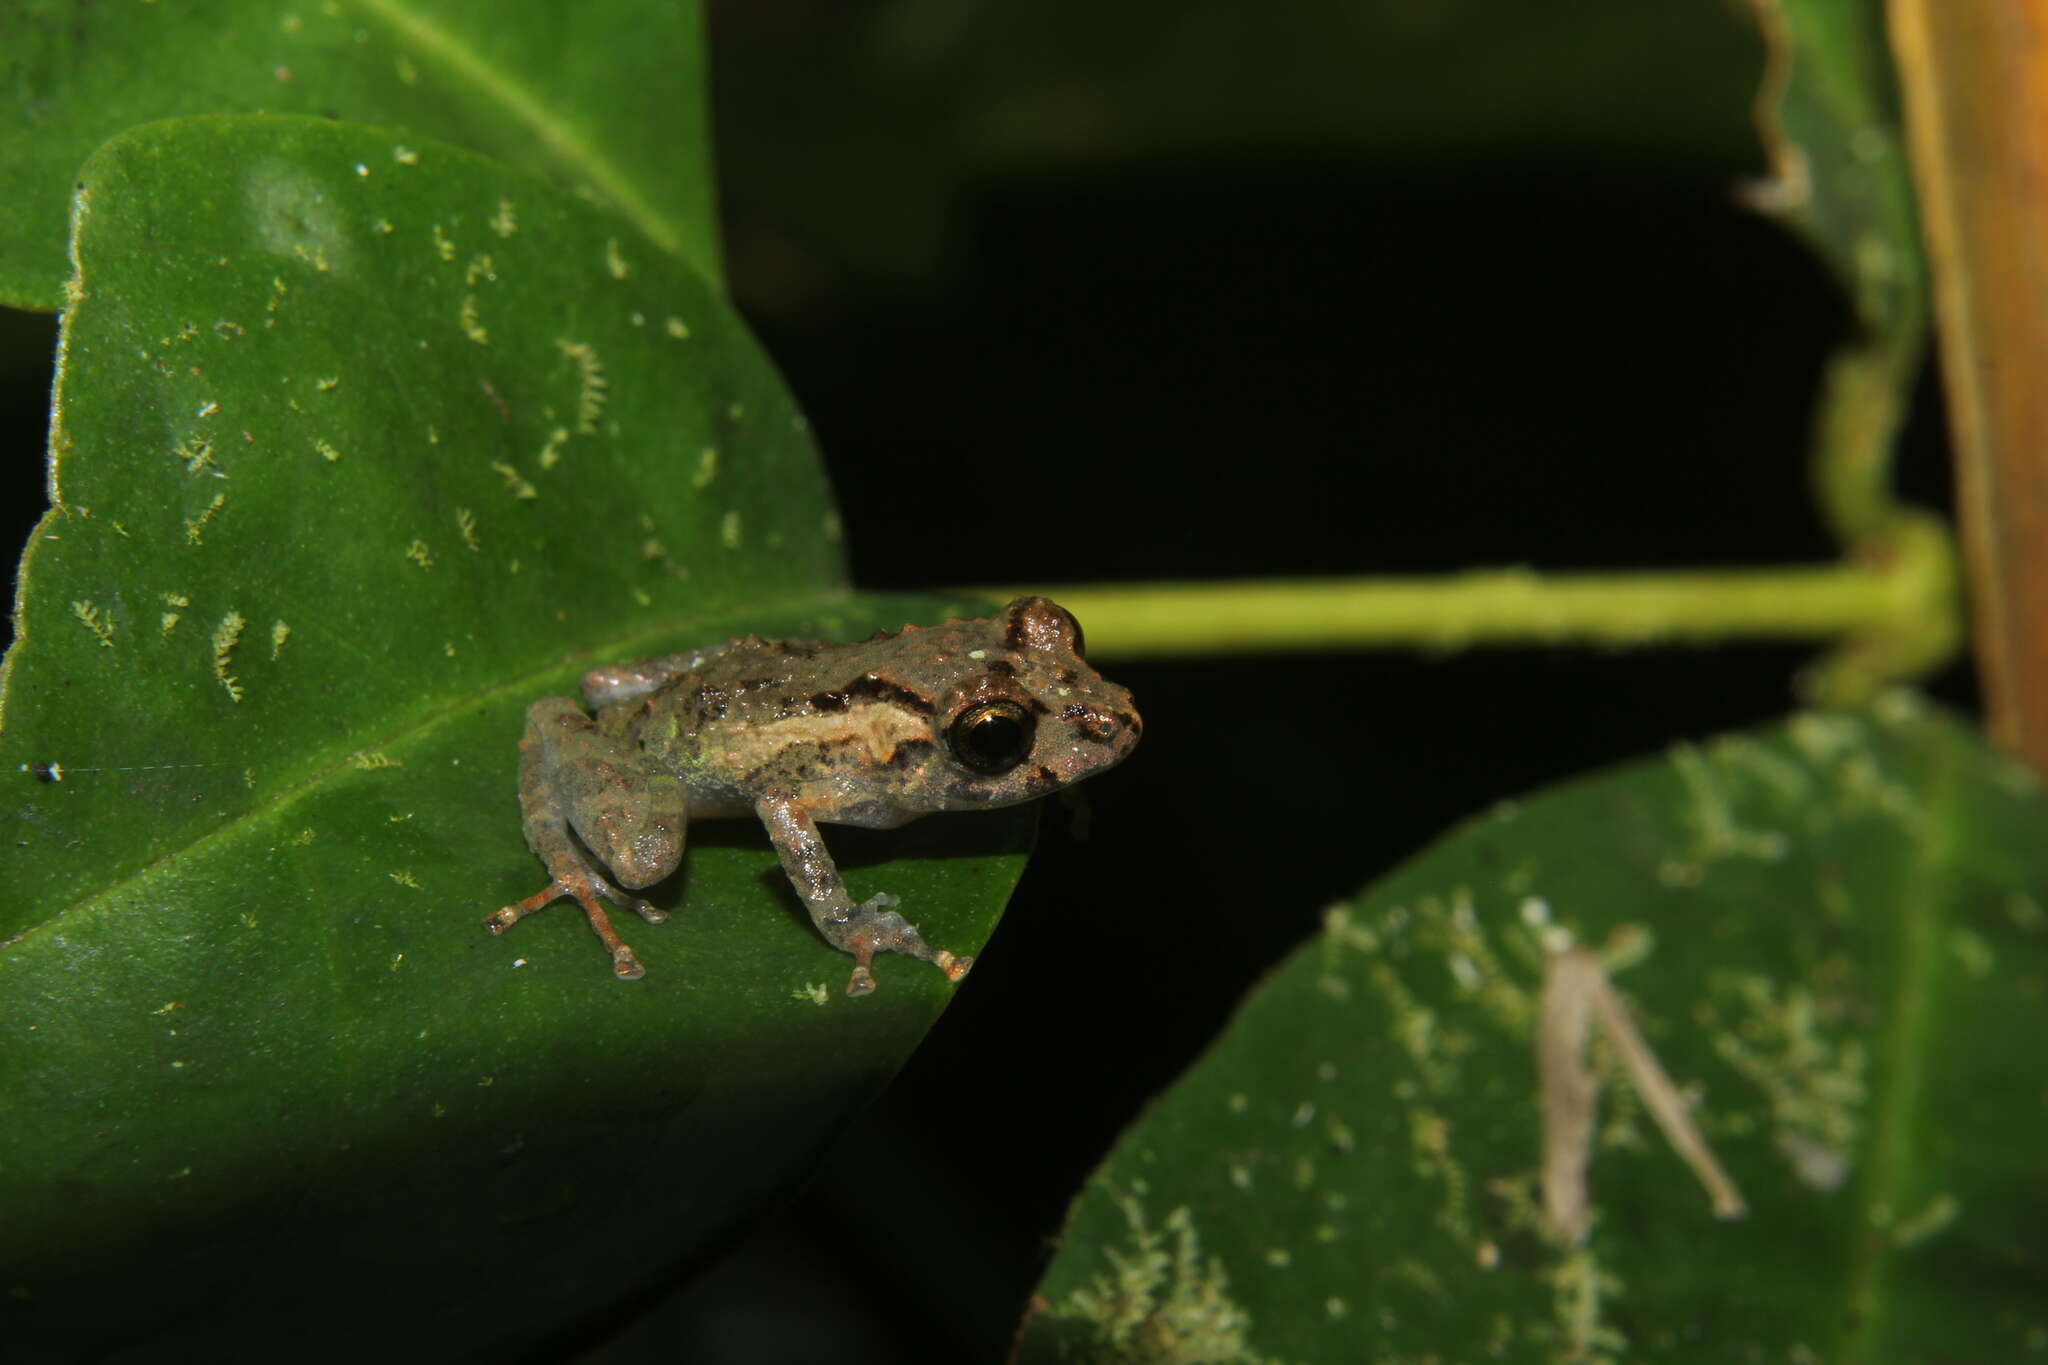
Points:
x=875 y=928
x=585 y=888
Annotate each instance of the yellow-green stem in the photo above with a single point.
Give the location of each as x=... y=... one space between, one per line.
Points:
x=1891 y=617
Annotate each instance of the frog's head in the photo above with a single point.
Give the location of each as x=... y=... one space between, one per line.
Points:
x=1032 y=717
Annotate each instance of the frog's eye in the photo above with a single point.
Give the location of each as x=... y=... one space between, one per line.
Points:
x=992 y=736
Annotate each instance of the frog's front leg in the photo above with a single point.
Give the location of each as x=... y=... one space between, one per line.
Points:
x=864 y=929
x=574 y=775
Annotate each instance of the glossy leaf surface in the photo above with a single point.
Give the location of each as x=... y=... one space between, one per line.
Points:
x=363 y=444
x=604 y=98
x=1831 y=934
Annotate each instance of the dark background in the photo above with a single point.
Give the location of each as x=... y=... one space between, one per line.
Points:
x=1282 y=359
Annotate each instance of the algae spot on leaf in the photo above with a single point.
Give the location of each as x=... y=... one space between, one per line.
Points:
x=293 y=214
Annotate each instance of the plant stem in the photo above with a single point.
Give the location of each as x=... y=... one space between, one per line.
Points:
x=1891 y=617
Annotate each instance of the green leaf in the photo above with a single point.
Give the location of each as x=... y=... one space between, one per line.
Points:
x=552 y=89
x=1829 y=117
x=1831 y=933
x=363 y=444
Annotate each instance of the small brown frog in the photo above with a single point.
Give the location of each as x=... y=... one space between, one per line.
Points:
x=965 y=716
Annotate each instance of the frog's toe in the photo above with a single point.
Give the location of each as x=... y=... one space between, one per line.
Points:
x=625 y=966
x=953 y=967
x=862 y=982
x=653 y=914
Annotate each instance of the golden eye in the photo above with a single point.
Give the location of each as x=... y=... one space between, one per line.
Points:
x=992 y=736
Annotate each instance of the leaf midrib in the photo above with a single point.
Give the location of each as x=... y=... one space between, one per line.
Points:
x=1903 y=1056
x=437 y=44
x=630 y=643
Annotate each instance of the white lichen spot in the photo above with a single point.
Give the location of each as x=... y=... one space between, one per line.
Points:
x=96 y=621
x=207 y=409
x=1716 y=833
x=735 y=411
x=1972 y=952
x=1279 y=1257
x=471 y=326
x=591 y=395
x=676 y=328
x=327 y=383
x=465 y=522
x=325 y=450
x=369 y=760
x=1578 y=1288
x=480 y=267
x=1336 y=1309
x=641 y=597
x=226 y=330
x=1238 y=1103
x=1939 y=1213
x=551 y=451
x=514 y=481
x=405 y=156
x=195 y=527
x=406 y=879
x=637 y=319
x=1429 y=1145
x=226 y=636
x=384 y=227
x=1162 y=1304
x=707 y=468
x=813 y=991
x=729 y=530
x=1342 y=1139
x=614 y=260
x=1240 y=1175
x=443 y=247
x=419 y=553
x=1815 y=1085
x=195 y=452
x=1304 y=1114
x=1535 y=911
x=279 y=634
x=408 y=74
x=505 y=221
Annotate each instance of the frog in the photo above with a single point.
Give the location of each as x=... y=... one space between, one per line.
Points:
x=965 y=715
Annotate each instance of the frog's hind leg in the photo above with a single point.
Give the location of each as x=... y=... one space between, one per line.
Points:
x=559 y=741
x=625 y=966
x=862 y=930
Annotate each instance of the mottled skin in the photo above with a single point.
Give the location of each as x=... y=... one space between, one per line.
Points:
x=965 y=716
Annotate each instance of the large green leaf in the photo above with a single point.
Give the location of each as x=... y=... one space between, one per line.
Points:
x=605 y=98
x=1832 y=933
x=364 y=443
